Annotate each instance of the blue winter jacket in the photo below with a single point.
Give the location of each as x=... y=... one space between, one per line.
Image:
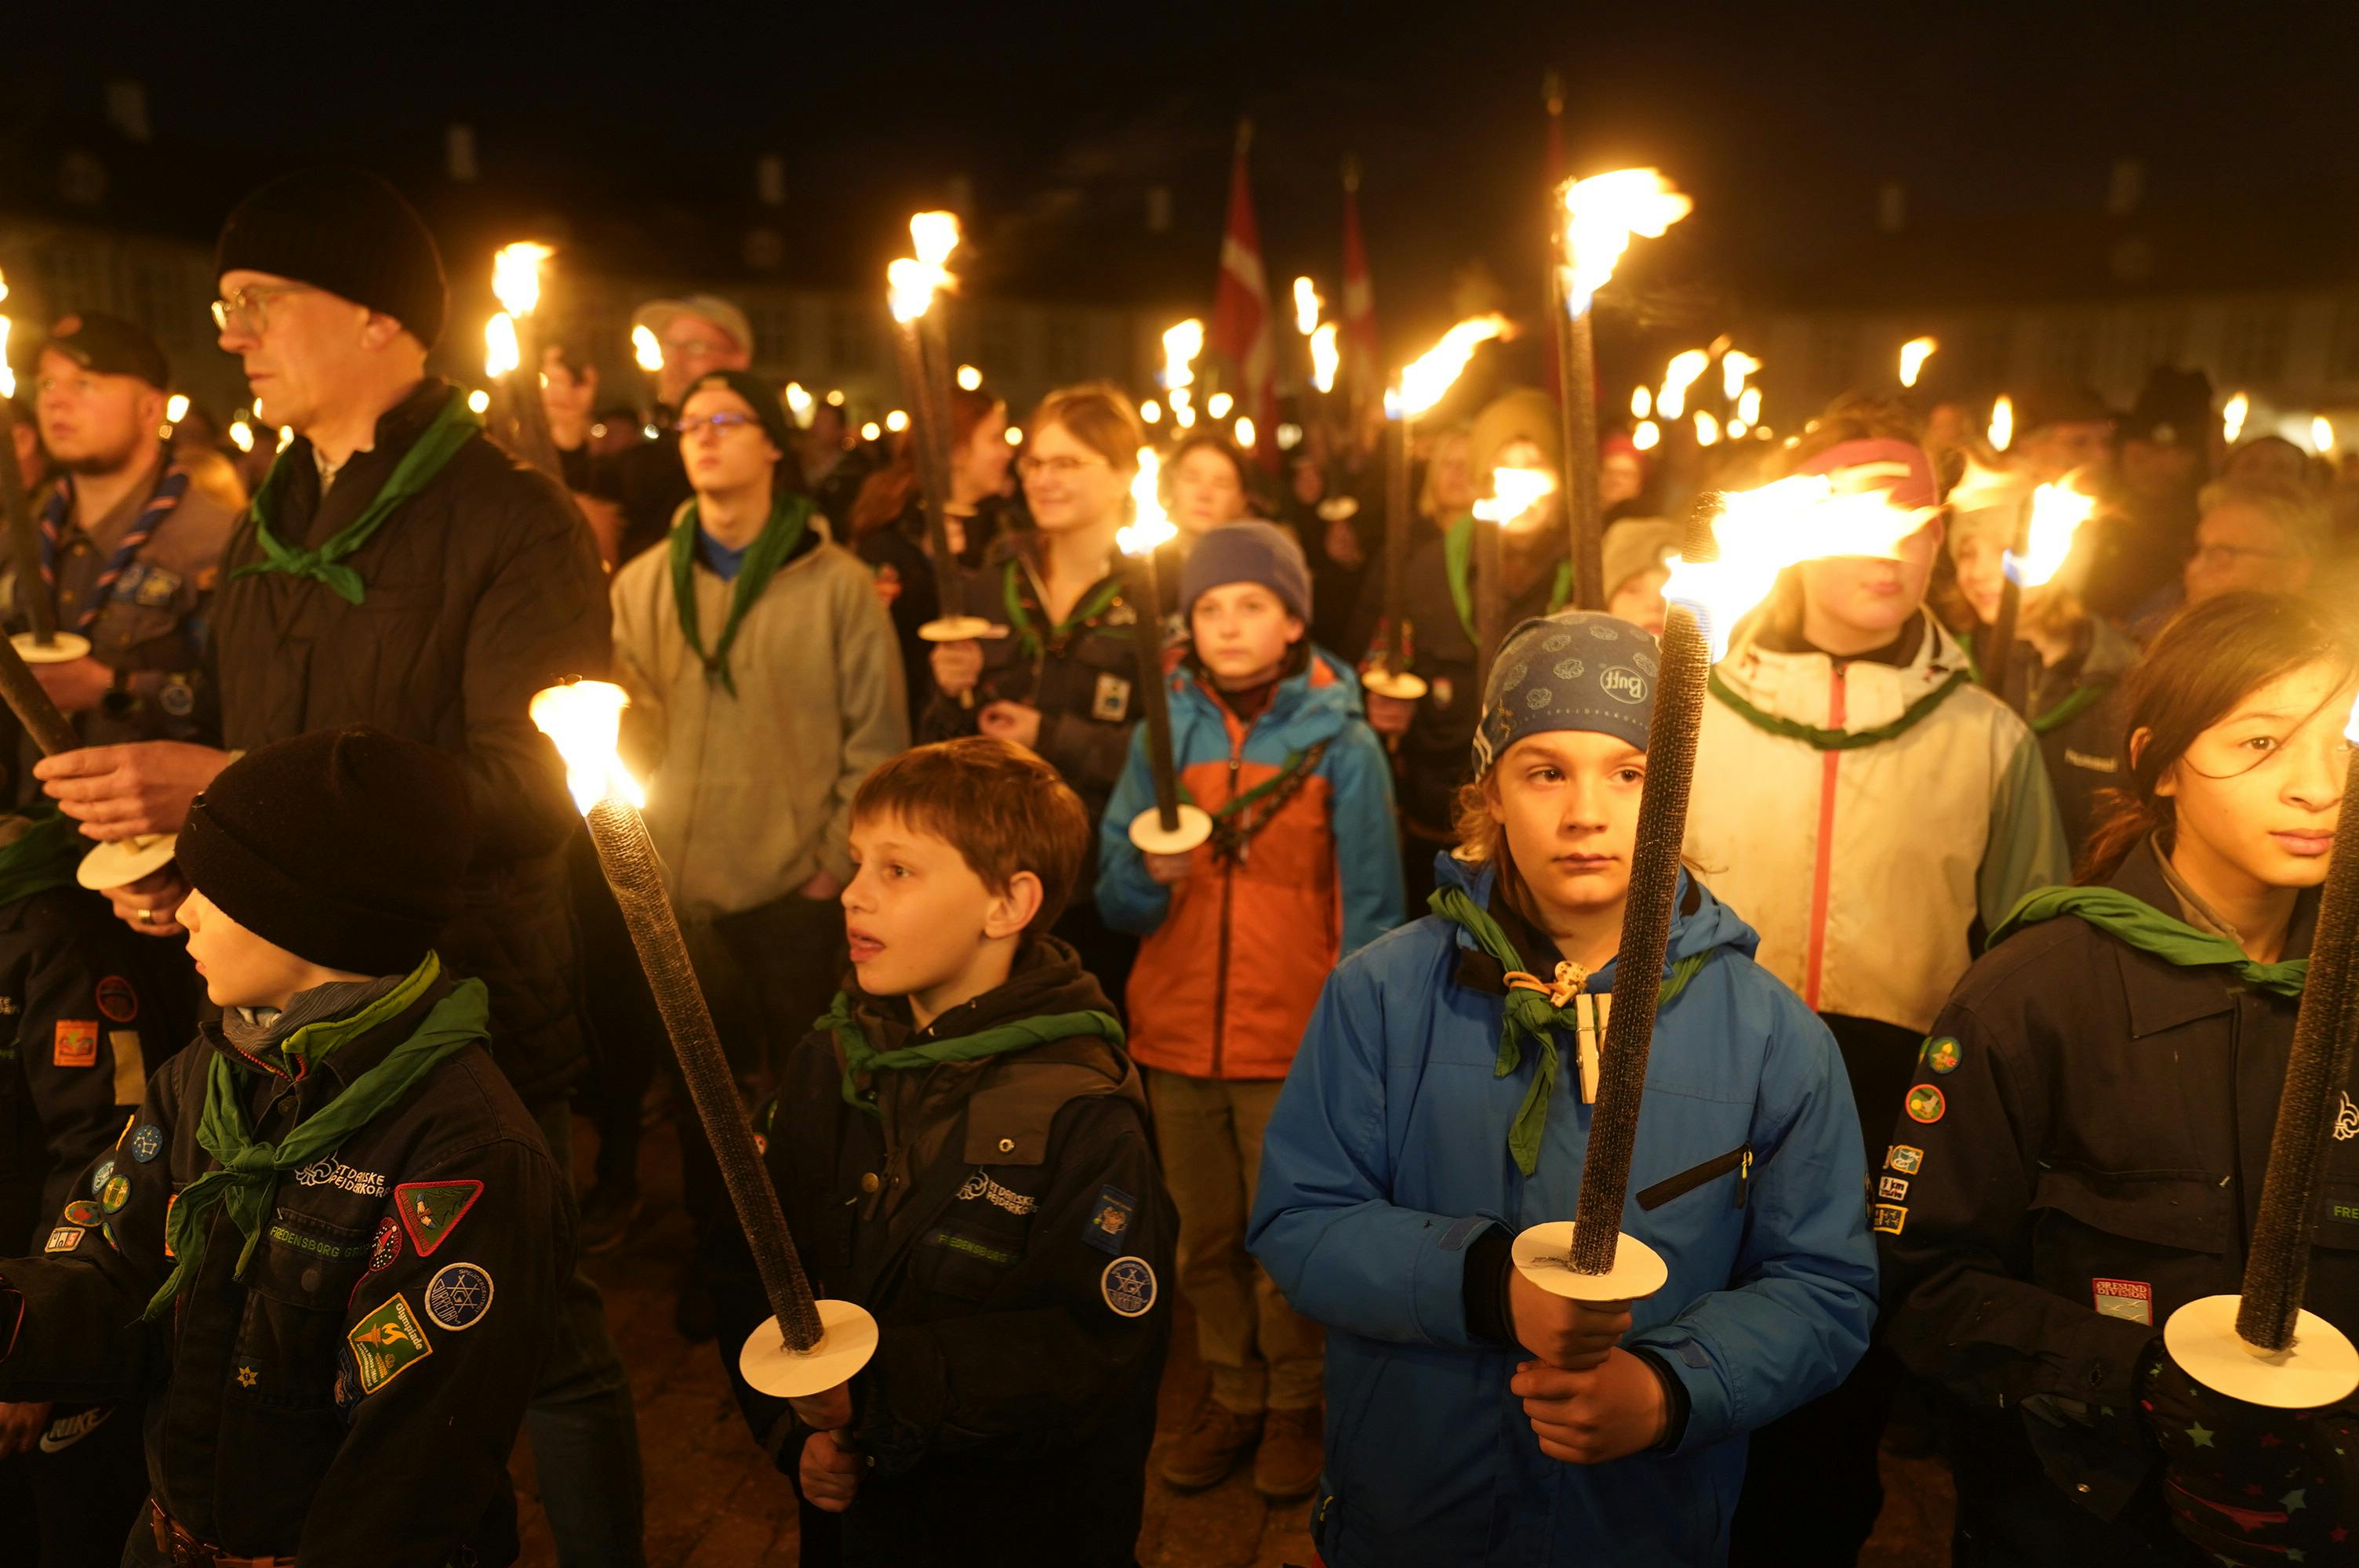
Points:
x=1388 y=1154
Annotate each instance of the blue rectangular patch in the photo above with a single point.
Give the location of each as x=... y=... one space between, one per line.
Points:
x=1109 y=1227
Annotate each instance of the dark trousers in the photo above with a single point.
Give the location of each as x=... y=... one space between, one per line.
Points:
x=1811 y=1485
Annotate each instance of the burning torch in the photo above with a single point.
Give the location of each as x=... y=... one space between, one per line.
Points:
x=512 y=352
x=1169 y=827
x=913 y=282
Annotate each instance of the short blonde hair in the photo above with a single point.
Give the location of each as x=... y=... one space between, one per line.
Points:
x=1098 y=414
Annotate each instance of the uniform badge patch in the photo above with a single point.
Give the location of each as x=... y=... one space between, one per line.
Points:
x=117 y=999
x=168 y=1201
x=65 y=1238
x=459 y=1295
x=146 y=1144
x=1111 y=700
x=430 y=1211
x=1128 y=1285
x=1893 y=1189
x=100 y=1176
x=2346 y=1118
x=2130 y=1300
x=249 y=1372
x=1109 y=1226
x=1904 y=1159
x=1926 y=1104
x=1890 y=1218
x=982 y=1186
x=386 y=1342
x=82 y=1211
x=177 y=697
x=1941 y=1055
x=74 y=1042
x=117 y=1194
x=155 y=588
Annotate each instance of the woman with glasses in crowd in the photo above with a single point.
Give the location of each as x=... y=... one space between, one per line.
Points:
x=1063 y=681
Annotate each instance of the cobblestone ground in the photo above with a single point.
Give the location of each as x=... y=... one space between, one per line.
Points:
x=713 y=1501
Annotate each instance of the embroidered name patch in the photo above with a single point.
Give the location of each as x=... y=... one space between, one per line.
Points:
x=459 y=1295
x=2129 y=1300
x=1904 y=1159
x=1890 y=1218
x=982 y=1186
x=1128 y=1285
x=430 y=1211
x=74 y=1043
x=331 y=1171
x=1893 y=1188
x=386 y=1342
x=65 y=1238
x=1109 y=1223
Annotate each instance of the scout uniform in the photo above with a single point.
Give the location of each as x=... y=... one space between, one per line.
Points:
x=2082 y=1154
x=82 y=1025
x=987 y=1187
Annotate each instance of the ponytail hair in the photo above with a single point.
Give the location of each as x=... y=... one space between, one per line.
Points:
x=2207 y=659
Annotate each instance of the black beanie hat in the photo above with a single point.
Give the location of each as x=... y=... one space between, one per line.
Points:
x=347 y=232
x=759 y=395
x=344 y=847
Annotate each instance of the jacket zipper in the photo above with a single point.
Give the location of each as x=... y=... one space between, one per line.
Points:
x=1228 y=880
x=1822 y=873
x=1739 y=1160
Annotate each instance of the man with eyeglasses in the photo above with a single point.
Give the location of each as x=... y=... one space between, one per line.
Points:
x=396 y=570
x=2256 y=534
x=128 y=545
x=699 y=334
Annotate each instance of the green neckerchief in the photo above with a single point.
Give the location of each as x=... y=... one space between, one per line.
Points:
x=789 y=515
x=44 y=858
x=1232 y=830
x=1530 y=1014
x=1458 y=544
x=1838 y=740
x=860 y=1056
x=250 y=1168
x=1028 y=636
x=444 y=435
x=2138 y=924
x=2077 y=701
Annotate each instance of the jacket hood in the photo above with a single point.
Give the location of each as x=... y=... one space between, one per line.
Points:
x=1700 y=924
x=1309 y=707
x=1794 y=685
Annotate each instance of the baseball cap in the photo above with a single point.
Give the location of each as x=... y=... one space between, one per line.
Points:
x=108 y=345
x=658 y=314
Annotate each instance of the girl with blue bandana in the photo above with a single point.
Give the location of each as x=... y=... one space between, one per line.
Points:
x=1441 y=1104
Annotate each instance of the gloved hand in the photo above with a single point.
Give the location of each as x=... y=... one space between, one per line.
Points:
x=2246 y=1484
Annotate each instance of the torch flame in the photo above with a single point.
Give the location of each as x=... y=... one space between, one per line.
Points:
x=2002 y=423
x=1645 y=435
x=516 y=276
x=1324 y=356
x=500 y=353
x=7 y=377
x=1181 y=344
x=175 y=408
x=585 y=720
x=1219 y=405
x=1151 y=526
x=1601 y=215
x=1748 y=407
x=2056 y=514
x=1677 y=376
x=241 y=436
x=970 y=379
x=1734 y=366
x=1762 y=532
x=1425 y=381
x=2321 y=435
x=936 y=235
x=1515 y=492
x=1642 y=402
x=648 y=351
x=909 y=288
x=1913 y=355
x=800 y=405
x=1707 y=428
x=2232 y=417
x=1306 y=306
x=1245 y=433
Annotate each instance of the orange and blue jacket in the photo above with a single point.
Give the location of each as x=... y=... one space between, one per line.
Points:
x=1232 y=961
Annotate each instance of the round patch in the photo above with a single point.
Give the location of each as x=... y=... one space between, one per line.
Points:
x=101 y=1177
x=1128 y=1284
x=147 y=1142
x=1941 y=1055
x=117 y=1194
x=117 y=999
x=82 y=1211
x=459 y=1295
x=178 y=698
x=387 y=1246
x=1926 y=1104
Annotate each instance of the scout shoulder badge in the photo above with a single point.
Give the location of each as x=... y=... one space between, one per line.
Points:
x=430 y=1211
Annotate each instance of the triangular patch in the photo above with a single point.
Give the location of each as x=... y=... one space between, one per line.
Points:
x=430 y=1211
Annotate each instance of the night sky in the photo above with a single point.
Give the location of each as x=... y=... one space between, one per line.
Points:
x=637 y=135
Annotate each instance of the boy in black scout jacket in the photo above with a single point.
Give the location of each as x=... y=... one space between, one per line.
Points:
x=963 y=1148
x=82 y=1026
x=328 y=1248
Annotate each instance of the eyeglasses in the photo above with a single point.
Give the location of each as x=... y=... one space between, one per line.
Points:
x=1057 y=467
x=720 y=423
x=247 y=309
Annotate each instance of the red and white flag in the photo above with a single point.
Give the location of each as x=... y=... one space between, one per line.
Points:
x=1242 y=331
x=1362 y=371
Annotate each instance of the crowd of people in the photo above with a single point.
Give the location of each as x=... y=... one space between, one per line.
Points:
x=1972 y=1025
